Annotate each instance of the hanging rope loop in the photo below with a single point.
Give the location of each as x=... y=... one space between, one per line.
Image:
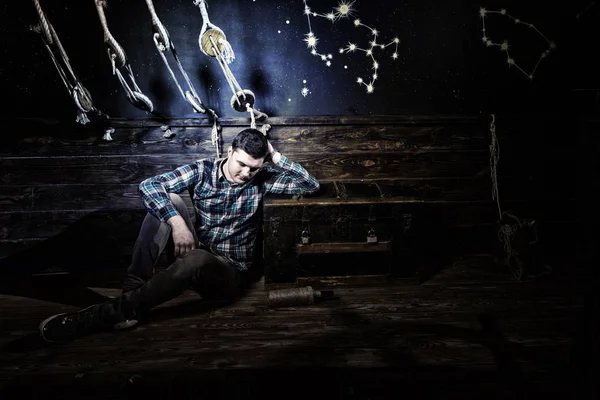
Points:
x=494 y=158
x=118 y=60
x=160 y=34
x=210 y=30
x=509 y=223
x=116 y=54
x=163 y=42
x=44 y=24
x=213 y=42
x=80 y=95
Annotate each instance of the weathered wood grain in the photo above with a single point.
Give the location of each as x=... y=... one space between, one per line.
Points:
x=46 y=224
x=123 y=169
x=70 y=178
x=74 y=197
x=464 y=333
x=426 y=119
x=19 y=228
x=320 y=248
x=287 y=139
x=462 y=382
x=93 y=196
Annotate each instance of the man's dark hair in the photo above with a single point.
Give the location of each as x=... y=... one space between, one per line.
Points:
x=252 y=141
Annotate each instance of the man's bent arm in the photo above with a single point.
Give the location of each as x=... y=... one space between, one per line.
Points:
x=291 y=177
x=155 y=191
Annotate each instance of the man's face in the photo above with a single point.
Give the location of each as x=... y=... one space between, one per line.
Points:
x=241 y=166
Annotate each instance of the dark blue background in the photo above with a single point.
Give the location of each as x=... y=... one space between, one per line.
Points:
x=443 y=67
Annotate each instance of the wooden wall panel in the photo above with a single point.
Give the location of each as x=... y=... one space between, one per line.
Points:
x=63 y=184
x=125 y=196
x=288 y=139
x=128 y=169
x=69 y=197
x=88 y=224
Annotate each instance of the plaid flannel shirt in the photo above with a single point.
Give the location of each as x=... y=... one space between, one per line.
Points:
x=227 y=215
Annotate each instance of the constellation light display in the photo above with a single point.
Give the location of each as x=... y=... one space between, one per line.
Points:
x=305 y=91
x=344 y=10
x=504 y=46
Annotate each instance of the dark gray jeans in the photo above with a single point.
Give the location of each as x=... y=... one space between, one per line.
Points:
x=211 y=275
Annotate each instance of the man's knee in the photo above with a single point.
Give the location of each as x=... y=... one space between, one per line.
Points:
x=188 y=265
x=177 y=201
x=216 y=281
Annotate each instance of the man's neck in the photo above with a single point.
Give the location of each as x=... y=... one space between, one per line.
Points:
x=225 y=170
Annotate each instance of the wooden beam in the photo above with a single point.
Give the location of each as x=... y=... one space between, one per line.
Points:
x=355 y=247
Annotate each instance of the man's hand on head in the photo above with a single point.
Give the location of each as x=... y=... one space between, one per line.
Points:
x=274 y=154
x=265 y=129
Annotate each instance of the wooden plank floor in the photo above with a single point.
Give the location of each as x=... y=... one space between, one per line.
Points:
x=469 y=332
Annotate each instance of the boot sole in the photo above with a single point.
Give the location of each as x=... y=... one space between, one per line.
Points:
x=125 y=325
x=43 y=324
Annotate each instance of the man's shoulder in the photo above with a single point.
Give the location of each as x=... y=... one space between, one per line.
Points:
x=208 y=162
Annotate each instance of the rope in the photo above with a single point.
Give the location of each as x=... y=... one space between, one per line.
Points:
x=225 y=56
x=128 y=90
x=155 y=20
x=60 y=70
x=62 y=52
x=259 y=114
x=115 y=51
x=507 y=231
x=78 y=92
x=494 y=158
x=163 y=42
x=340 y=190
x=226 y=51
x=118 y=59
x=44 y=22
x=506 y=235
x=195 y=100
x=162 y=55
x=214 y=136
x=292 y=297
x=237 y=90
x=252 y=120
x=233 y=84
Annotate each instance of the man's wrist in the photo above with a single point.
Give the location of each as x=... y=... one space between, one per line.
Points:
x=275 y=156
x=176 y=220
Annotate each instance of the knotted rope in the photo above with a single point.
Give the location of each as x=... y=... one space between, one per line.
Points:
x=118 y=60
x=225 y=50
x=163 y=42
x=81 y=96
x=494 y=158
x=45 y=25
x=507 y=231
x=506 y=235
x=213 y=42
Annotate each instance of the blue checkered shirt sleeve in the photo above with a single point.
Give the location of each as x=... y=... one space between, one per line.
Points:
x=290 y=178
x=155 y=191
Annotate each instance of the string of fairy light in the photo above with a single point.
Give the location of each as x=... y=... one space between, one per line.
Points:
x=345 y=10
x=505 y=47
